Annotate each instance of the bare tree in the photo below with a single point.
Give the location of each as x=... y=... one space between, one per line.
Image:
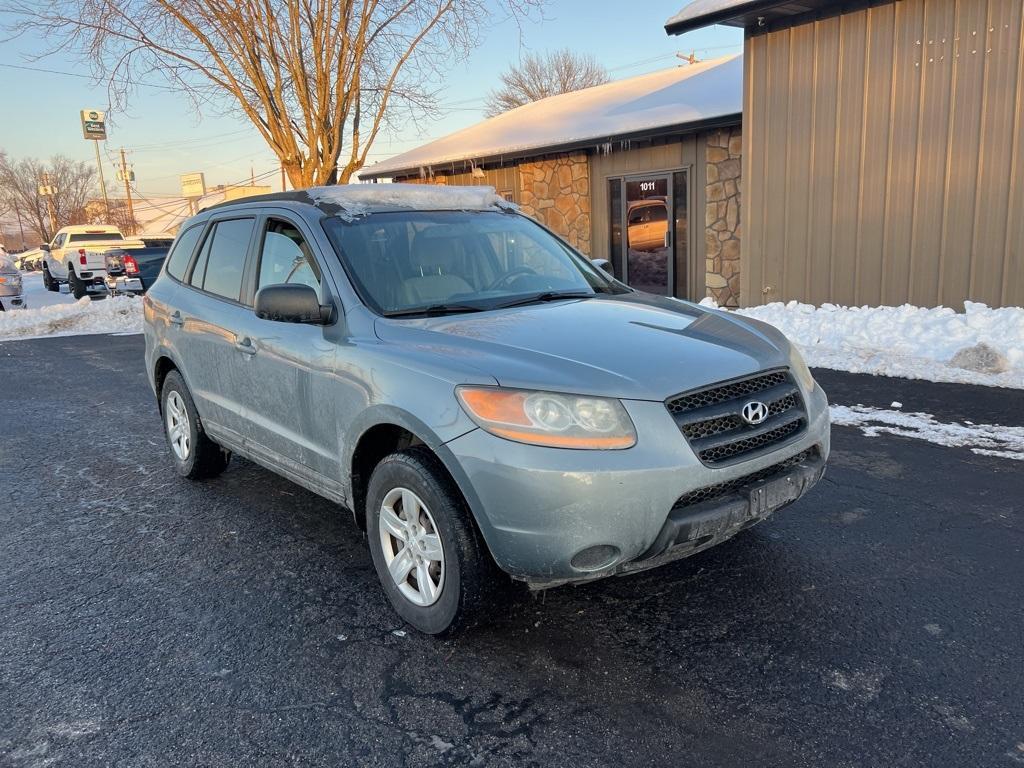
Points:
x=73 y=183
x=540 y=75
x=318 y=78
x=119 y=215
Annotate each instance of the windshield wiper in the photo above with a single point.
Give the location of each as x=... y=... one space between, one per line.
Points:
x=434 y=309
x=546 y=296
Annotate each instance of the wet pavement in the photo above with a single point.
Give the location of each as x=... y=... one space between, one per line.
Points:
x=148 y=621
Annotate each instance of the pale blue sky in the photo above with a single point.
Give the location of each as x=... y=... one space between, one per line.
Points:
x=165 y=137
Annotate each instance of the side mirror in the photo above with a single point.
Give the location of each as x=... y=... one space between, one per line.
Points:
x=603 y=264
x=44 y=247
x=291 y=304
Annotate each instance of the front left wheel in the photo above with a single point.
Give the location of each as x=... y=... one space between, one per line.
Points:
x=48 y=282
x=195 y=455
x=431 y=559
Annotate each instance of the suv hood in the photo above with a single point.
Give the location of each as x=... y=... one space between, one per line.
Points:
x=633 y=346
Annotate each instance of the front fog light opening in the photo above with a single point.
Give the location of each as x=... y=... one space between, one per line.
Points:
x=595 y=558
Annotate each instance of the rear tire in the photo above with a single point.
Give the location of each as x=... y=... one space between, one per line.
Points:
x=78 y=289
x=468 y=580
x=194 y=454
x=48 y=282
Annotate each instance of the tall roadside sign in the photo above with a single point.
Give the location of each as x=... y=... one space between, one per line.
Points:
x=94 y=129
x=193 y=187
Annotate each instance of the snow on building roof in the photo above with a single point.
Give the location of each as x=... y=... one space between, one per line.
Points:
x=672 y=97
x=739 y=13
x=698 y=9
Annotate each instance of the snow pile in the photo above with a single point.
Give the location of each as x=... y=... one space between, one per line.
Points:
x=358 y=199
x=937 y=344
x=121 y=314
x=985 y=439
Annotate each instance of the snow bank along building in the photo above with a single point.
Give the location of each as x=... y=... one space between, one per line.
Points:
x=644 y=172
x=883 y=149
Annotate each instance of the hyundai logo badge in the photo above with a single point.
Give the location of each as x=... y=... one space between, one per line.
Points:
x=754 y=412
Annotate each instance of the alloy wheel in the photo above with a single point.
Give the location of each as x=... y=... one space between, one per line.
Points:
x=412 y=547
x=178 y=432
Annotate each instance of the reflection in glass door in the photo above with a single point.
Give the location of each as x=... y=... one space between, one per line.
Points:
x=648 y=235
x=649 y=232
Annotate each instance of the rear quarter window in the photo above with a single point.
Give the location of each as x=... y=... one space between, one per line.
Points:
x=181 y=251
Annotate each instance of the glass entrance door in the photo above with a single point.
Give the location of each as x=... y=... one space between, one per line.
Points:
x=648 y=242
x=649 y=237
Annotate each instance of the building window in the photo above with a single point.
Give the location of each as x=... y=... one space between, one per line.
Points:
x=682 y=233
x=615 y=219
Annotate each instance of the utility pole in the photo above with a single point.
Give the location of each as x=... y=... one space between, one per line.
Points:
x=283 y=187
x=46 y=190
x=127 y=175
x=21 y=227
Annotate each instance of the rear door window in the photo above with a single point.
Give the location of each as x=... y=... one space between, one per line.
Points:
x=181 y=253
x=221 y=261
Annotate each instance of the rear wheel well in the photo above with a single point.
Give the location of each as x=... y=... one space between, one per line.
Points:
x=163 y=366
x=374 y=444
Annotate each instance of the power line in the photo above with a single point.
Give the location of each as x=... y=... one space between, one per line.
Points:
x=85 y=76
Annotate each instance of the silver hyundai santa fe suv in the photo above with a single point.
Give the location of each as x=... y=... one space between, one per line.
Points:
x=486 y=400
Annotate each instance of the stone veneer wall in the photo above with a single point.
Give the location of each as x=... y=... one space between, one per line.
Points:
x=722 y=216
x=556 y=192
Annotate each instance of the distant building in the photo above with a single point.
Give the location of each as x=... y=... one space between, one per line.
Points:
x=883 y=149
x=644 y=172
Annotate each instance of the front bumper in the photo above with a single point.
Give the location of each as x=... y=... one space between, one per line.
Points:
x=542 y=510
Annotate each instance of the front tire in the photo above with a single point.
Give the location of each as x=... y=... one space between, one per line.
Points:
x=48 y=282
x=194 y=454
x=430 y=558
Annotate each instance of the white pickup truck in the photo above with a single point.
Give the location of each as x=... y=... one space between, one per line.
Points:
x=77 y=256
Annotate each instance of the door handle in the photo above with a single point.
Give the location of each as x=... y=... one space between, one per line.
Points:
x=246 y=346
x=177 y=319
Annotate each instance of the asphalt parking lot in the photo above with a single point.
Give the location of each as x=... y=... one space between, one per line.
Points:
x=147 y=621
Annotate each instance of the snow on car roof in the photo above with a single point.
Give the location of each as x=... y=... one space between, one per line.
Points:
x=359 y=199
x=670 y=97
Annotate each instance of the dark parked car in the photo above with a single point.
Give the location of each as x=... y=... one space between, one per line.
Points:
x=135 y=270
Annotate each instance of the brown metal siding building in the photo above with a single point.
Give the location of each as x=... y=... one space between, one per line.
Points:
x=883 y=150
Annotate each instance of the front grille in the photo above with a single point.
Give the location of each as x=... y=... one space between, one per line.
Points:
x=724 y=489
x=711 y=420
x=730 y=391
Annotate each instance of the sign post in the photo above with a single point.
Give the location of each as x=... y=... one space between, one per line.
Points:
x=94 y=129
x=193 y=187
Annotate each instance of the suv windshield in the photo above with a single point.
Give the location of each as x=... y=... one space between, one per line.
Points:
x=406 y=263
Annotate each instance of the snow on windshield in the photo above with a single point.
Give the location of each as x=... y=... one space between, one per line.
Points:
x=358 y=199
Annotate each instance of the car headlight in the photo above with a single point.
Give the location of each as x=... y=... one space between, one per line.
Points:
x=800 y=369
x=549 y=418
